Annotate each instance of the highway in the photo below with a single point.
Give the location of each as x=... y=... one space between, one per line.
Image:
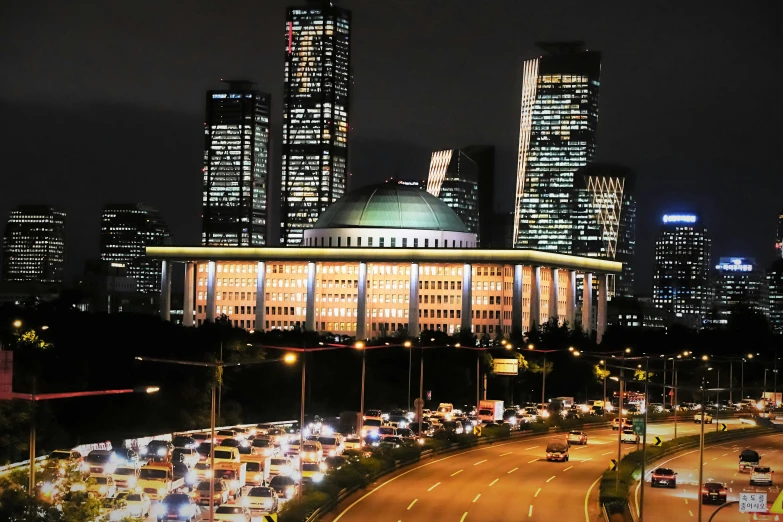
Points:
x=720 y=465
x=505 y=481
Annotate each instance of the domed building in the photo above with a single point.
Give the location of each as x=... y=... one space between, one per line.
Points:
x=389 y=216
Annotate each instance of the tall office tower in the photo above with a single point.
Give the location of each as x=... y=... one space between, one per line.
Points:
x=236 y=166
x=464 y=179
x=775 y=294
x=681 y=271
x=126 y=230
x=316 y=105
x=739 y=281
x=34 y=245
x=779 y=241
x=604 y=219
x=557 y=136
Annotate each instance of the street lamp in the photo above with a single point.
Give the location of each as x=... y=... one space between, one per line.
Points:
x=359 y=346
x=17 y=324
x=407 y=344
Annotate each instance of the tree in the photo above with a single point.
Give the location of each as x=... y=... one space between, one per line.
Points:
x=30 y=340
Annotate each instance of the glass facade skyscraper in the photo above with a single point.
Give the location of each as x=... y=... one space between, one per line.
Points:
x=775 y=296
x=34 y=245
x=557 y=136
x=316 y=105
x=126 y=230
x=236 y=166
x=681 y=271
x=464 y=180
x=739 y=281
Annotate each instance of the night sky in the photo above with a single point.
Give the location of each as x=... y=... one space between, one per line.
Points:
x=104 y=101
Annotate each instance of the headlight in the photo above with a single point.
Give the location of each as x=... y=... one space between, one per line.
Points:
x=234 y=484
x=134 y=511
x=102 y=489
x=138 y=489
x=184 y=511
x=115 y=515
x=191 y=477
x=158 y=510
x=332 y=453
x=258 y=477
x=131 y=482
x=318 y=477
x=161 y=491
x=161 y=452
x=289 y=491
x=144 y=450
x=245 y=501
x=267 y=452
x=63 y=464
x=285 y=470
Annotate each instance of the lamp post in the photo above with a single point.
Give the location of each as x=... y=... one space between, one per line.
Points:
x=289 y=358
x=408 y=345
x=359 y=346
x=603 y=361
x=701 y=448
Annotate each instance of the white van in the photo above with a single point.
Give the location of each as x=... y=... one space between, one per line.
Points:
x=332 y=445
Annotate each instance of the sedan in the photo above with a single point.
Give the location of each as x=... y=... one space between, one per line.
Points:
x=260 y=500
x=576 y=437
x=138 y=504
x=232 y=513
x=713 y=493
x=176 y=506
x=664 y=477
x=285 y=487
x=629 y=436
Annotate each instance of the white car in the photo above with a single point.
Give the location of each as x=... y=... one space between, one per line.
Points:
x=353 y=443
x=101 y=486
x=761 y=475
x=384 y=432
x=125 y=477
x=260 y=500
x=280 y=466
x=138 y=504
x=629 y=436
x=707 y=418
x=232 y=513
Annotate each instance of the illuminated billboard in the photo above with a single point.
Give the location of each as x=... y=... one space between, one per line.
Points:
x=679 y=218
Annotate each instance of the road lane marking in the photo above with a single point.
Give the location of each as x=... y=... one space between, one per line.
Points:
x=550 y=478
x=480 y=462
x=532 y=447
x=686 y=501
x=456 y=473
x=690 y=512
x=587 y=497
x=585 y=460
x=569 y=467
x=411 y=504
x=532 y=461
x=724 y=454
x=537 y=492
x=530 y=511
x=465 y=514
x=607 y=453
x=493 y=482
x=714 y=458
x=506 y=453
x=477 y=497
x=512 y=471
x=434 y=486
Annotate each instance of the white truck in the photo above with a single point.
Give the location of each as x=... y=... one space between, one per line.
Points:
x=490 y=411
x=156 y=479
x=235 y=475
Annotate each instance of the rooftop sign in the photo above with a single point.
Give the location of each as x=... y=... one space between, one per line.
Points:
x=679 y=218
x=735 y=264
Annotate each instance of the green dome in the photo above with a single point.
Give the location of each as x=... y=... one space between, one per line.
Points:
x=389 y=205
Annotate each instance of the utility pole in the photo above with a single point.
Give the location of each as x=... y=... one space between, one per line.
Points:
x=701 y=449
x=619 y=431
x=644 y=433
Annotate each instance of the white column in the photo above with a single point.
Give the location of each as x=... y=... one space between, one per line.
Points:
x=571 y=299
x=535 y=298
x=310 y=304
x=187 y=302
x=467 y=298
x=516 y=301
x=260 y=296
x=211 y=283
x=603 y=294
x=165 y=290
x=587 y=303
x=553 y=295
x=361 y=303
x=413 y=301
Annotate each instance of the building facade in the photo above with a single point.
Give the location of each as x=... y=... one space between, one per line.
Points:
x=236 y=166
x=775 y=296
x=681 y=271
x=316 y=106
x=557 y=136
x=34 y=245
x=739 y=281
x=126 y=231
x=779 y=236
x=464 y=180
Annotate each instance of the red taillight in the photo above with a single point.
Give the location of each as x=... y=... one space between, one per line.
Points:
x=704 y=491
x=723 y=490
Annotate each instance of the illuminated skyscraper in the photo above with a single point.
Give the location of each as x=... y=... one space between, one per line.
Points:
x=464 y=180
x=739 y=281
x=315 y=114
x=126 y=230
x=557 y=136
x=236 y=166
x=681 y=272
x=775 y=294
x=779 y=241
x=34 y=245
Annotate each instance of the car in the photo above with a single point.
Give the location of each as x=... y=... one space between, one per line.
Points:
x=221 y=492
x=557 y=450
x=284 y=486
x=616 y=422
x=157 y=450
x=386 y=431
x=125 y=477
x=312 y=472
x=761 y=475
x=312 y=451
x=453 y=427
x=188 y=456
x=353 y=443
x=230 y=443
x=335 y=463
x=333 y=445
x=186 y=441
x=260 y=500
x=226 y=454
x=126 y=456
x=98 y=485
x=64 y=460
x=707 y=418
x=664 y=477
x=576 y=437
x=370 y=427
x=139 y=504
x=201 y=471
x=177 y=506
x=221 y=435
x=265 y=446
x=232 y=513
x=373 y=414
x=713 y=493
x=280 y=466
x=629 y=436
x=181 y=471
x=254 y=472
x=114 y=508
x=100 y=462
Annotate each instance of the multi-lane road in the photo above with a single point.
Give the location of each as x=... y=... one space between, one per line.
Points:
x=505 y=481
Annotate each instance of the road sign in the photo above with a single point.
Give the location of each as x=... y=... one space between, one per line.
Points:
x=506 y=366
x=750 y=502
x=477 y=431
x=658 y=441
x=612 y=465
x=269 y=518
x=723 y=427
x=638 y=425
x=777 y=506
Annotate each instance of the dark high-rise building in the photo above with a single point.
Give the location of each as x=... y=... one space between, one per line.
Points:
x=557 y=136
x=126 y=230
x=739 y=281
x=316 y=106
x=779 y=237
x=236 y=166
x=605 y=219
x=681 y=272
x=34 y=245
x=775 y=294
x=464 y=180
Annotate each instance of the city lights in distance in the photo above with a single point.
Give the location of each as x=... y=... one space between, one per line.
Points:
x=679 y=218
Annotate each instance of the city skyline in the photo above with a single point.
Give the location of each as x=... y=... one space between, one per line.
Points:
x=669 y=174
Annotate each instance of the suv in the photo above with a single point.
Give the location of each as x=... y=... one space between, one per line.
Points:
x=576 y=437
x=761 y=475
x=178 y=506
x=664 y=477
x=157 y=450
x=629 y=436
